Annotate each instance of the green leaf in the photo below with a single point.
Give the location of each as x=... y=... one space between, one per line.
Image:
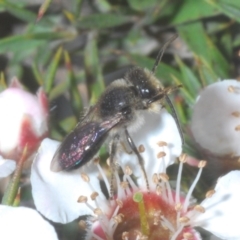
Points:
x=227 y=44
x=189 y=80
x=179 y=12
x=16 y=43
x=101 y=21
x=229 y=7
x=37 y=73
x=44 y=7
x=76 y=100
x=18 y=11
x=103 y=5
x=185 y=93
x=67 y=124
x=3 y=84
x=207 y=75
x=93 y=70
x=77 y=6
x=142 y=5
x=58 y=90
x=179 y=107
x=29 y=41
x=197 y=40
x=49 y=78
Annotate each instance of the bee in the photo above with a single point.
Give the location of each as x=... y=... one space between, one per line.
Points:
x=115 y=115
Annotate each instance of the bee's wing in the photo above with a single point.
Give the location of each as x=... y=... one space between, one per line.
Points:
x=82 y=144
x=88 y=116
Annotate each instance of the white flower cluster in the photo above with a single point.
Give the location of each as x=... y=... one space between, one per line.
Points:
x=63 y=197
x=160 y=208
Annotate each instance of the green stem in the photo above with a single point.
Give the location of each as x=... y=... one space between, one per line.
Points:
x=13 y=186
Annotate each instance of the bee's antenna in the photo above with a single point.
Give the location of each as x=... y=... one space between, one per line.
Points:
x=169 y=102
x=161 y=52
x=175 y=116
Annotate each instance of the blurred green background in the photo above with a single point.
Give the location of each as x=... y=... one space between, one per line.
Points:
x=80 y=46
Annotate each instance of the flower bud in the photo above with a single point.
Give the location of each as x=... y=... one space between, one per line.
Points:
x=23 y=121
x=216 y=118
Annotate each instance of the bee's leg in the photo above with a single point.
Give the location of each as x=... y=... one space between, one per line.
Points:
x=112 y=161
x=140 y=159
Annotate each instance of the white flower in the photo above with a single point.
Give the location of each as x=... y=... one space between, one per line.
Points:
x=161 y=141
x=24 y=223
x=216 y=118
x=56 y=194
x=23 y=120
x=222 y=208
x=136 y=212
x=7 y=166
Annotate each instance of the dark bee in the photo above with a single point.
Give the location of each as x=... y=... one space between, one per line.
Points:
x=114 y=116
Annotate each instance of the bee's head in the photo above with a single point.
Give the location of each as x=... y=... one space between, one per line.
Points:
x=145 y=84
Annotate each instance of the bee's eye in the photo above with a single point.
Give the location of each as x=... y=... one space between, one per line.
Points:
x=145 y=93
x=126 y=111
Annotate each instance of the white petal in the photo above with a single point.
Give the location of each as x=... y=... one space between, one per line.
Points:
x=222 y=209
x=6 y=167
x=216 y=118
x=15 y=105
x=24 y=223
x=156 y=128
x=56 y=194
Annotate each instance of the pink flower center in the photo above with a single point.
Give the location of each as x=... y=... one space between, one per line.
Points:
x=146 y=215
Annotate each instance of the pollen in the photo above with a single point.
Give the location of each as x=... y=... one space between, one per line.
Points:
x=119 y=203
x=94 y=195
x=125 y=236
x=85 y=177
x=124 y=184
x=202 y=164
x=188 y=236
x=119 y=218
x=209 y=193
x=157 y=217
x=82 y=199
x=108 y=161
x=159 y=190
x=236 y=114
x=199 y=208
x=97 y=160
x=162 y=144
x=98 y=211
x=155 y=178
x=237 y=128
x=82 y=224
x=184 y=219
x=141 y=148
x=128 y=170
x=163 y=176
x=178 y=207
x=183 y=157
x=161 y=154
x=231 y=89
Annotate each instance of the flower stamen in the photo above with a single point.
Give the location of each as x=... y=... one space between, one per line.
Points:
x=125 y=236
x=201 y=165
x=209 y=193
x=141 y=148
